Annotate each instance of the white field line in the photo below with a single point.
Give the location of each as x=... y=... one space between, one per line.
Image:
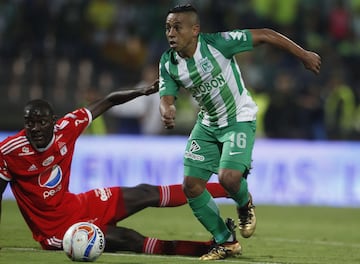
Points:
x=295 y=241
x=193 y=258
x=238 y=260
x=278 y=239
x=314 y=242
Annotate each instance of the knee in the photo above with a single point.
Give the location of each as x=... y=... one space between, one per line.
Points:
x=193 y=187
x=230 y=179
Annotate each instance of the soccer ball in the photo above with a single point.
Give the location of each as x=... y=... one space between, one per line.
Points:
x=83 y=241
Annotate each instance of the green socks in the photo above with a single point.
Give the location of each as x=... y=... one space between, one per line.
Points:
x=242 y=196
x=207 y=212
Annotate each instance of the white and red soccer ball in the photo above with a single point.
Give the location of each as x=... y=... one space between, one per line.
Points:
x=84 y=242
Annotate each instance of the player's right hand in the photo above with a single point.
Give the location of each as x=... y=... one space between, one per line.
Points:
x=168 y=114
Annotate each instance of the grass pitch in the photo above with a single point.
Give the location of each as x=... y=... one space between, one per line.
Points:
x=298 y=235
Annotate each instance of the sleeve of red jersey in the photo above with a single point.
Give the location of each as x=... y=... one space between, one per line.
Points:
x=77 y=121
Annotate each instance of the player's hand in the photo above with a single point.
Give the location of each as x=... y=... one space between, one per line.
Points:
x=153 y=88
x=312 y=61
x=168 y=114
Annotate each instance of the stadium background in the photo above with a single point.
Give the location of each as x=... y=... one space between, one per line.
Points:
x=71 y=51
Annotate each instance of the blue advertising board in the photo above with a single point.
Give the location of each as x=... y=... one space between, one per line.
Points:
x=283 y=173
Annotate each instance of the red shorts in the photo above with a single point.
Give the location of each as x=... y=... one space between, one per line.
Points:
x=103 y=207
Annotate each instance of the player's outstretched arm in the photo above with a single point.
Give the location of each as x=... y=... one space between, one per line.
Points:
x=100 y=106
x=311 y=60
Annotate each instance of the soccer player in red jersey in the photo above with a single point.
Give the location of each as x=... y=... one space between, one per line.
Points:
x=36 y=162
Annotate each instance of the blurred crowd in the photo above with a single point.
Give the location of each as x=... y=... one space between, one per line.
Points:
x=73 y=51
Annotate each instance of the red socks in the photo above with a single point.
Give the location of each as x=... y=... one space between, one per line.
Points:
x=172 y=195
x=216 y=190
x=176 y=247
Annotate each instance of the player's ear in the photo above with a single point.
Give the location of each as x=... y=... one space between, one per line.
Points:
x=196 y=30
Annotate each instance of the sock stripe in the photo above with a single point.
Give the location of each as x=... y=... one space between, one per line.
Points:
x=165 y=197
x=150 y=245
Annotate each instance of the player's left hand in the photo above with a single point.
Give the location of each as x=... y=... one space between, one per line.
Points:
x=153 y=88
x=312 y=61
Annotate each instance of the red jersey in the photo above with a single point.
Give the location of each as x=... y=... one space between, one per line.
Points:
x=39 y=179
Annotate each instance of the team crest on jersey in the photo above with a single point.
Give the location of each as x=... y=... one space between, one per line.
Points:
x=51 y=177
x=63 y=150
x=206 y=65
x=62 y=147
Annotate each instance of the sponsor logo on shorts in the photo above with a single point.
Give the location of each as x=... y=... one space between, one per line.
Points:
x=193 y=148
x=193 y=156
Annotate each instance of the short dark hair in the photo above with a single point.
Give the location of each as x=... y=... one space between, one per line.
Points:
x=39 y=104
x=183 y=8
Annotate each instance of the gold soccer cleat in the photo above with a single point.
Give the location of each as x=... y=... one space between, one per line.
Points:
x=223 y=251
x=227 y=249
x=247 y=219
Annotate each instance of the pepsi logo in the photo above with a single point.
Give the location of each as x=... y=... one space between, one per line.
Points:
x=51 y=177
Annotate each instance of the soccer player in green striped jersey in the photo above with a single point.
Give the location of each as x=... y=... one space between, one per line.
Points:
x=222 y=139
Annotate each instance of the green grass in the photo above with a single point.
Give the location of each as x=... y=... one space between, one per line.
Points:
x=284 y=235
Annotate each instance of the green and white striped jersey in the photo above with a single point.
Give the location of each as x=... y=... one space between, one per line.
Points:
x=213 y=78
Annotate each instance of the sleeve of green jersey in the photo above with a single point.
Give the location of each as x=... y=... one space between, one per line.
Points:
x=232 y=42
x=167 y=85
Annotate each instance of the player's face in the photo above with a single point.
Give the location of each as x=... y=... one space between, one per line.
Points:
x=39 y=126
x=181 y=33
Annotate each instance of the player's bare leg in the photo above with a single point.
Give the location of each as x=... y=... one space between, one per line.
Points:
x=145 y=195
x=125 y=239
